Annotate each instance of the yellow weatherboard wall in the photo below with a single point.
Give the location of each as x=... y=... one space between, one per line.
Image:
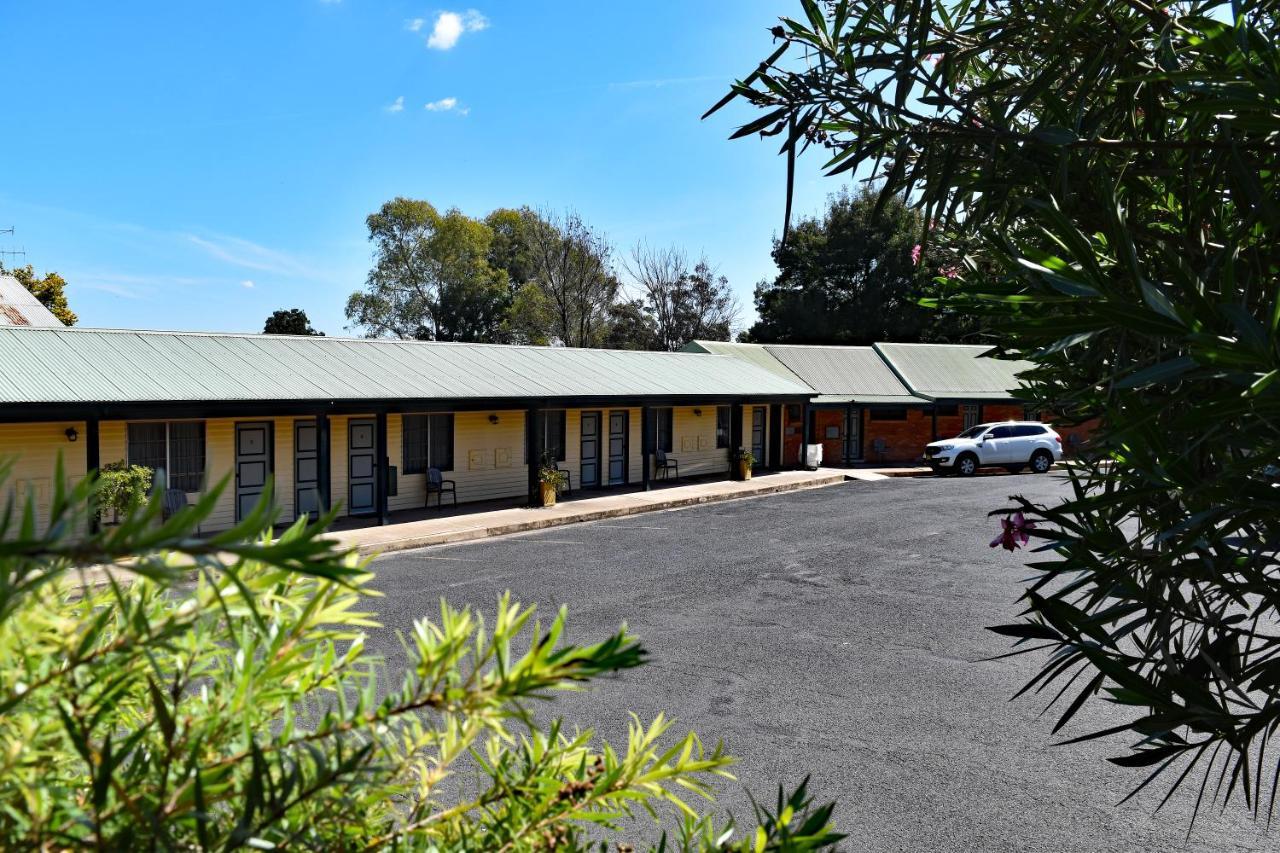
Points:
x=488 y=459
x=32 y=451
x=693 y=442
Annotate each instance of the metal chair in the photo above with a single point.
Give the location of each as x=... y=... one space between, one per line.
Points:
x=664 y=465
x=174 y=502
x=880 y=448
x=568 y=481
x=437 y=485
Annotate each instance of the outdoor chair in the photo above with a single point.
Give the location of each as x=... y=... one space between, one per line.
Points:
x=437 y=485
x=568 y=481
x=664 y=465
x=880 y=448
x=174 y=502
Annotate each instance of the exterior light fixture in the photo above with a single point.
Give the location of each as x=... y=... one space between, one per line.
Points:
x=71 y=433
x=493 y=419
x=697 y=413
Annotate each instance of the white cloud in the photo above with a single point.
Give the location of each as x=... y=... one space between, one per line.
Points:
x=396 y=106
x=247 y=283
x=450 y=26
x=415 y=25
x=447 y=105
x=252 y=256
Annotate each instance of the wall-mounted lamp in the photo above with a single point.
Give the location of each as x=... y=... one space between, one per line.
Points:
x=697 y=413
x=71 y=433
x=493 y=419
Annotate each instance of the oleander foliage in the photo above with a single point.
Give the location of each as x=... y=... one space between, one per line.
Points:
x=217 y=693
x=1110 y=168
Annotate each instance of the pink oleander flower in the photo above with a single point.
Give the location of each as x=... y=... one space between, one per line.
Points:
x=1013 y=532
x=915 y=254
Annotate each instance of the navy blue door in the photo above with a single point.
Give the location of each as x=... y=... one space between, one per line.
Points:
x=362 y=472
x=618 y=422
x=589 y=472
x=306 y=469
x=253 y=465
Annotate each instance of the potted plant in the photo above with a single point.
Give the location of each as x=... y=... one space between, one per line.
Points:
x=550 y=481
x=122 y=487
x=746 y=461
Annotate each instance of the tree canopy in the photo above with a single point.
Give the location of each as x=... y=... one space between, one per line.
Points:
x=848 y=277
x=50 y=289
x=684 y=302
x=1109 y=169
x=431 y=278
x=289 y=321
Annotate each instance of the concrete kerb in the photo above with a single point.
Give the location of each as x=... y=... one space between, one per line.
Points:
x=101 y=575
x=486 y=531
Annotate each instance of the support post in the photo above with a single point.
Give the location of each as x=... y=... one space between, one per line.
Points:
x=775 y=436
x=804 y=433
x=735 y=438
x=646 y=446
x=92 y=462
x=380 y=451
x=533 y=429
x=324 y=462
x=933 y=410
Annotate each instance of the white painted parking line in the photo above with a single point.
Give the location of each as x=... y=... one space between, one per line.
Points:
x=477 y=579
x=450 y=559
x=548 y=541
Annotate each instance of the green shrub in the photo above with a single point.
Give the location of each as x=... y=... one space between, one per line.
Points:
x=123 y=488
x=239 y=708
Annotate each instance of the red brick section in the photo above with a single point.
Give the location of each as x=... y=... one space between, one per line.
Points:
x=904 y=440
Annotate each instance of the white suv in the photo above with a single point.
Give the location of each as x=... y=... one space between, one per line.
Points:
x=1012 y=445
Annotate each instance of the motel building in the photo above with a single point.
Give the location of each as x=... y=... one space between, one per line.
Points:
x=357 y=423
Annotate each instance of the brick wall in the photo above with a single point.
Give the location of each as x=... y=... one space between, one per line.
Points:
x=904 y=440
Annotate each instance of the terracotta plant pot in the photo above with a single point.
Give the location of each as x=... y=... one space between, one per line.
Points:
x=744 y=471
x=548 y=493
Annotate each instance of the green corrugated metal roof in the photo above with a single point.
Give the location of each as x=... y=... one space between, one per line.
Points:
x=954 y=371
x=843 y=374
x=757 y=354
x=120 y=366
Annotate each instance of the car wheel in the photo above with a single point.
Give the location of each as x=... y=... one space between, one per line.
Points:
x=967 y=465
x=1041 y=461
x=1014 y=469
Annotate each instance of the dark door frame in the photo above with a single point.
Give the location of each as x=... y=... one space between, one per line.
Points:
x=372 y=453
x=625 y=415
x=298 y=459
x=269 y=452
x=599 y=421
x=854 y=451
x=763 y=413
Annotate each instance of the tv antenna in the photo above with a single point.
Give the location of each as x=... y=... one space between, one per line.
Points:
x=10 y=253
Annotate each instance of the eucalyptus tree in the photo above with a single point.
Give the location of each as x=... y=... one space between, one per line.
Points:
x=686 y=300
x=1110 y=168
x=431 y=277
x=571 y=263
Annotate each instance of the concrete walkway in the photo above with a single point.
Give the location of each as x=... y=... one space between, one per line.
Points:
x=480 y=525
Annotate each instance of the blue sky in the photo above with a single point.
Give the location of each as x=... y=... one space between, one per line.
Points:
x=197 y=166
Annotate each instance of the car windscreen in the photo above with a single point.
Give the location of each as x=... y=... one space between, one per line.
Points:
x=973 y=431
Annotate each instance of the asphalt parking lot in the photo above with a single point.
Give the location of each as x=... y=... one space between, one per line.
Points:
x=836 y=632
